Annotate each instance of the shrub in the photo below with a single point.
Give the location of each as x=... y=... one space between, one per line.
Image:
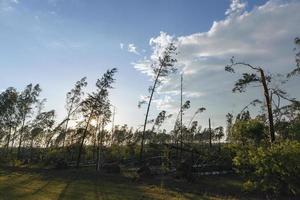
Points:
x=249 y=131
x=274 y=169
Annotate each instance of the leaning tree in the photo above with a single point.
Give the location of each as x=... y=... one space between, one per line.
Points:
x=95 y=104
x=73 y=101
x=25 y=104
x=161 y=69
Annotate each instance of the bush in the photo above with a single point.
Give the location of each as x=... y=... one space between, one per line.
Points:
x=274 y=169
x=250 y=131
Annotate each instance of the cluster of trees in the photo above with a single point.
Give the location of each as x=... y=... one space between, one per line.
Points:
x=266 y=148
x=25 y=127
x=263 y=148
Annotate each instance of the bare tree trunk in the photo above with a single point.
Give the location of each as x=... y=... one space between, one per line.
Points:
x=31 y=149
x=83 y=138
x=98 y=153
x=147 y=113
x=181 y=136
x=8 y=141
x=65 y=132
x=13 y=139
x=20 y=139
x=210 y=134
x=67 y=122
x=269 y=105
x=95 y=140
x=99 y=146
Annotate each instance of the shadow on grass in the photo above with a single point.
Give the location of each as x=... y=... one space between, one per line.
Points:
x=89 y=184
x=62 y=195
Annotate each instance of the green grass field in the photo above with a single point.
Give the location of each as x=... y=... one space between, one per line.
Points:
x=33 y=184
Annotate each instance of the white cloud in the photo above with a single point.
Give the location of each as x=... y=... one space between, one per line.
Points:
x=121 y=46
x=236 y=8
x=132 y=49
x=164 y=103
x=144 y=66
x=193 y=94
x=263 y=36
x=159 y=44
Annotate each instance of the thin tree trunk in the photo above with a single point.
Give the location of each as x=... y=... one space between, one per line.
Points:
x=181 y=113
x=83 y=138
x=210 y=134
x=99 y=147
x=147 y=113
x=13 y=140
x=8 y=141
x=67 y=122
x=65 y=132
x=98 y=153
x=269 y=105
x=95 y=140
x=31 y=149
x=21 y=138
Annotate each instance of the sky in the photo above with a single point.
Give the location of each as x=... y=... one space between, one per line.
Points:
x=57 y=42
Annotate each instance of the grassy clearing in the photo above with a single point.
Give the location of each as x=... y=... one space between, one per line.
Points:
x=29 y=184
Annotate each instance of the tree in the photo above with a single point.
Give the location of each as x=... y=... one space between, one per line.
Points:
x=248 y=131
x=178 y=127
x=219 y=134
x=162 y=69
x=198 y=111
x=42 y=123
x=160 y=119
x=229 y=121
x=257 y=77
x=8 y=114
x=296 y=71
x=95 y=103
x=26 y=100
x=73 y=101
x=105 y=113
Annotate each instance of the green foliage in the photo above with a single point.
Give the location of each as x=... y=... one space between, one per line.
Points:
x=274 y=169
x=296 y=71
x=249 y=131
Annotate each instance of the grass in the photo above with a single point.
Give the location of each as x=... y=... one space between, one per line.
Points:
x=37 y=184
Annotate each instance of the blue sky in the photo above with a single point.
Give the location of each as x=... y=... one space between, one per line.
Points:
x=56 y=42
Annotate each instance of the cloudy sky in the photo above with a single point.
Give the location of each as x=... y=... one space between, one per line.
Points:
x=56 y=42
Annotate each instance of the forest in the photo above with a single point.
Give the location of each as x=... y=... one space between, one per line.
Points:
x=259 y=154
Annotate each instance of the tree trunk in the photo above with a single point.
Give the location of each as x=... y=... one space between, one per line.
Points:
x=65 y=133
x=13 y=140
x=20 y=139
x=95 y=140
x=269 y=105
x=210 y=134
x=8 y=141
x=83 y=138
x=181 y=113
x=31 y=149
x=99 y=146
x=147 y=113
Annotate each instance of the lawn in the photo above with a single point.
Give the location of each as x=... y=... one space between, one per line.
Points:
x=31 y=184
